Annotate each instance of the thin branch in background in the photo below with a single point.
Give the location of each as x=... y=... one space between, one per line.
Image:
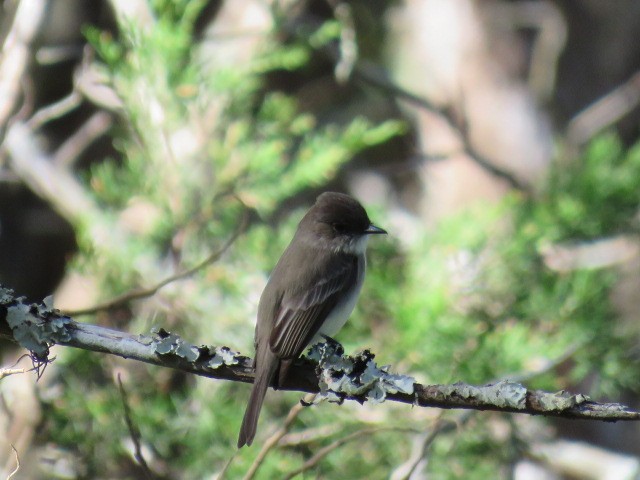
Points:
x=551 y=32
x=519 y=444
x=28 y=100
x=95 y=85
x=548 y=364
x=371 y=74
x=55 y=110
x=323 y=452
x=407 y=469
x=69 y=152
x=5 y=372
x=348 y=45
x=12 y=370
x=52 y=54
x=16 y=52
x=604 y=252
x=309 y=435
x=59 y=187
x=221 y=475
x=148 y=292
x=604 y=112
x=134 y=432
x=273 y=440
x=578 y=459
x=15 y=452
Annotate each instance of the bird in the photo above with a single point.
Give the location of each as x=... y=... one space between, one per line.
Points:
x=310 y=293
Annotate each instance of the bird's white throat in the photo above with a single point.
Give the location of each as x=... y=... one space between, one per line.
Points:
x=354 y=245
x=357 y=245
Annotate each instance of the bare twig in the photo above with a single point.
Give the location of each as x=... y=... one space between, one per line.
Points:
x=547 y=365
x=5 y=372
x=222 y=474
x=406 y=470
x=309 y=435
x=95 y=126
x=15 y=452
x=28 y=100
x=134 y=432
x=273 y=440
x=94 y=85
x=52 y=54
x=603 y=252
x=575 y=459
x=323 y=452
x=547 y=46
x=12 y=370
x=57 y=186
x=55 y=110
x=348 y=46
x=605 y=111
x=371 y=74
x=148 y=292
x=16 y=53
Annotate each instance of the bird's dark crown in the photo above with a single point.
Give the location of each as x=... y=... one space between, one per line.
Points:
x=342 y=213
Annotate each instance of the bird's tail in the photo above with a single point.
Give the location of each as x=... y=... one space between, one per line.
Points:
x=265 y=369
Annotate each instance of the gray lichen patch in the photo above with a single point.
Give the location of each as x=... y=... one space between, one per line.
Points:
x=223 y=356
x=167 y=343
x=37 y=327
x=355 y=376
x=561 y=401
x=6 y=295
x=503 y=394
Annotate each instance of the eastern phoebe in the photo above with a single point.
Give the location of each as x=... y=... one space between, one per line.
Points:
x=310 y=293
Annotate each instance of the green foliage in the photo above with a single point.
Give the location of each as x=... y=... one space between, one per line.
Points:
x=471 y=300
x=198 y=144
x=261 y=150
x=599 y=196
x=476 y=289
x=328 y=32
x=475 y=302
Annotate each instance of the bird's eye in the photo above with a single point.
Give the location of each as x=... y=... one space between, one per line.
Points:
x=339 y=227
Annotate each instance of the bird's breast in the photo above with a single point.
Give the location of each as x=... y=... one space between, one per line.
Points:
x=341 y=312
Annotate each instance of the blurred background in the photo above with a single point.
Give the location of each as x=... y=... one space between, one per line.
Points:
x=496 y=141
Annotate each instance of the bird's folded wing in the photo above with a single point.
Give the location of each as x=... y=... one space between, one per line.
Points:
x=302 y=313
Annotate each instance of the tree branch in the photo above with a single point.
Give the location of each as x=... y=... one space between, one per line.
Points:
x=134 y=432
x=326 y=371
x=16 y=52
x=148 y=292
x=370 y=74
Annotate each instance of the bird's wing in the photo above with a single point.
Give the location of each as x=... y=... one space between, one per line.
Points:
x=302 y=313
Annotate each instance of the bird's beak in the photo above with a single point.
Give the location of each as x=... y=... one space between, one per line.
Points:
x=372 y=229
